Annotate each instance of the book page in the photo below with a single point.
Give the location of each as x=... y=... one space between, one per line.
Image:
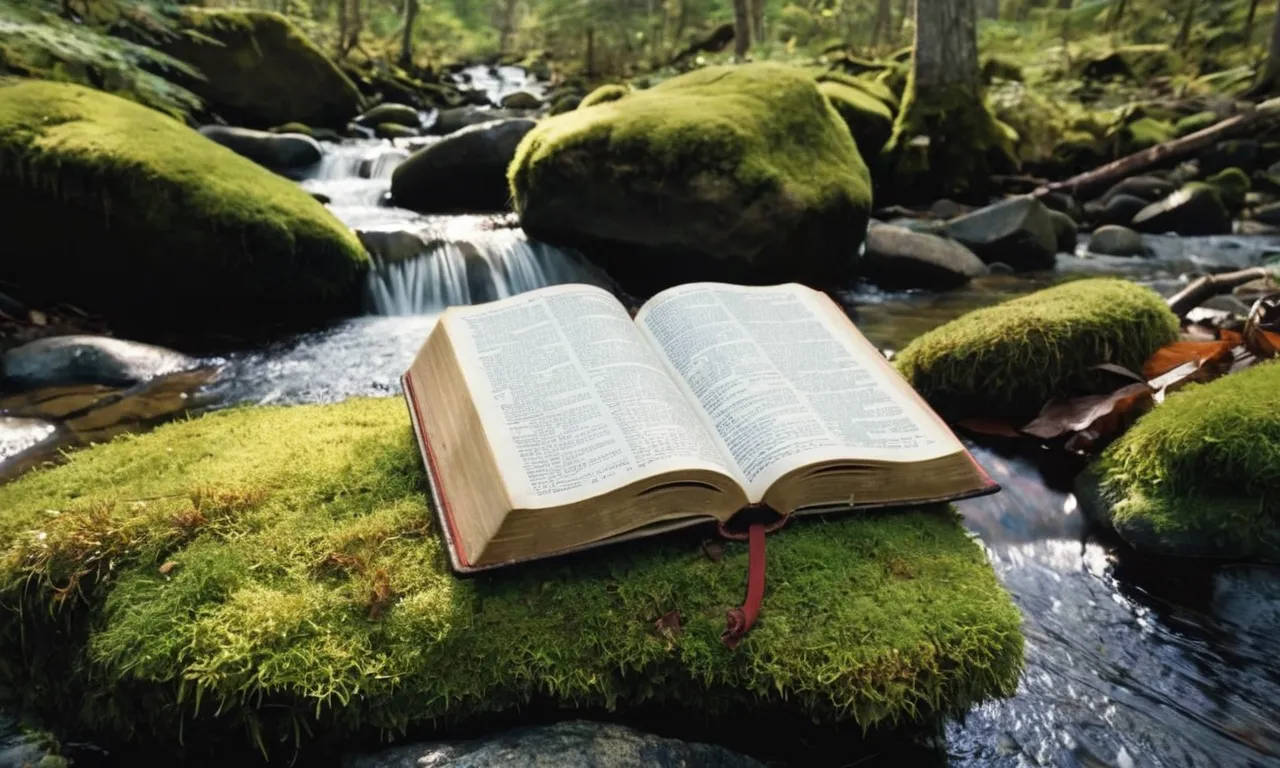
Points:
x=785 y=381
x=575 y=401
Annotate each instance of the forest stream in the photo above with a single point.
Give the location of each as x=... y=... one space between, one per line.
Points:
x=1129 y=661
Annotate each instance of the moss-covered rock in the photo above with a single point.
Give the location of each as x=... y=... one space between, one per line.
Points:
x=603 y=95
x=1195 y=209
x=395 y=131
x=869 y=119
x=1233 y=186
x=260 y=70
x=1198 y=475
x=275 y=572
x=1011 y=358
x=733 y=173
x=398 y=114
x=301 y=128
x=141 y=218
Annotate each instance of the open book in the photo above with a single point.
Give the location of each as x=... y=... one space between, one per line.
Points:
x=552 y=421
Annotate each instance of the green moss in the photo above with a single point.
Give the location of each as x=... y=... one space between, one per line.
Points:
x=395 y=131
x=141 y=217
x=261 y=70
x=876 y=89
x=301 y=128
x=1145 y=133
x=304 y=586
x=604 y=94
x=1011 y=358
x=1205 y=465
x=1232 y=186
x=869 y=119
x=1193 y=123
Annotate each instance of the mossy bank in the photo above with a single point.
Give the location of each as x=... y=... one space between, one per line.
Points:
x=1008 y=360
x=121 y=210
x=1200 y=474
x=270 y=574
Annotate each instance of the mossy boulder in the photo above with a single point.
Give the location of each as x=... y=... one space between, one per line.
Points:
x=1136 y=62
x=603 y=95
x=260 y=70
x=1018 y=232
x=145 y=220
x=1198 y=475
x=464 y=171
x=742 y=174
x=1008 y=360
x=869 y=119
x=1233 y=186
x=395 y=131
x=398 y=114
x=1195 y=209
x=275 y=573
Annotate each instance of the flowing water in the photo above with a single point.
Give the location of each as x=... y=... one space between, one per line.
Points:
x=1129 y=662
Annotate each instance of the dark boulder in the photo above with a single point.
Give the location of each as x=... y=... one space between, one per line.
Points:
x=1149 y=188
x=1018 y=232
x=465 y=171
x=1196 y=209
x=898 y=258
x=1120 y=209
x=400 y=114
x=277 y=151
x=68 y=360
x=1113 y=240
x=452 y=120
x=521 y=100
x=1064 y=231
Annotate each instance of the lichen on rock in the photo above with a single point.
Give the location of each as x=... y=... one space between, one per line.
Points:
x=1198 y=475
x=739 y=173
x=1008 y=360
x=275 y=573
x=145 y=220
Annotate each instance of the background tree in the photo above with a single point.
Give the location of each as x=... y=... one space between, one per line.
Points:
x=741 y=28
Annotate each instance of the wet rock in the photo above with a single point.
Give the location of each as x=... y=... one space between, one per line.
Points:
x=465 y=171
x=1149 y=188
x=1065 y=203
x=277 y=151
x=948 y=209
x=1268 y=214
x=63 y=360
x=451 y=120
x=17 y=435
x=1120 y=209
x=1018 y=232
x=392 y=245
x=1064 y=231
x=1115 y=240
x=396 y=131
x=1237 y=153
x=399 y=114
x=1232 y=185
x=575 y=744
x=321 y=198
x=521 y=100
x=1196 y=209
x=898 y=258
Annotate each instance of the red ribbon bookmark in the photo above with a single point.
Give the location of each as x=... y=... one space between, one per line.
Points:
x=739 y=620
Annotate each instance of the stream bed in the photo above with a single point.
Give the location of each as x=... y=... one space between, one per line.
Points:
x=1129 y=662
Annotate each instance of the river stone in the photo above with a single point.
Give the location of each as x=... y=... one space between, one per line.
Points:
x=277 y=151
x=574 y=744
x=1113 y=240
x=391 y=246
x=465 y=171
x=400 y=114
x=898 y=258
x=1018 y=232
x=521 y=100
x=1268 y=214
x=1148 y=188
x=396 y=131
x=17 y=435
x=1118 y=210
x=1195 y=209
x=1064 y=231
x=733 y=173
x=67 y=360
x=451 y=120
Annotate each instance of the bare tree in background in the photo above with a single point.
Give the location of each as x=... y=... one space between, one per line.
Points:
x=1269 y=82
x=1184 y=32
x=406 y=42
x=507 y=24
x=741 y=28
x=757 y=21
x=1248 y=22
x=883 y=21
x=988 y=9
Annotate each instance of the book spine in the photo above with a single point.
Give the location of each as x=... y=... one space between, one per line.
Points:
x=433 y=469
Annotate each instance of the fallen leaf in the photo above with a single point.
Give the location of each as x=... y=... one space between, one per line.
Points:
x=168 y=567
x=1179 y=353
x=37 y=317
x=1103 y=415
x=984 y=426
x=1262 y=329
x=668 y=625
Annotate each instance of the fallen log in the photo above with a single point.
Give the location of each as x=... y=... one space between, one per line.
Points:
x=1205 y=288
x=1084 y=184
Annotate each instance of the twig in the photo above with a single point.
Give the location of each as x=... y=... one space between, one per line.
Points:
x=1205 y=288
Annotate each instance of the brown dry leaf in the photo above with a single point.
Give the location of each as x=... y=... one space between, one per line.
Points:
x=1103 y=415
x=668 y=625
x=1201 y=353
x=1262 y=329
x=168 y=567
x=984 y=426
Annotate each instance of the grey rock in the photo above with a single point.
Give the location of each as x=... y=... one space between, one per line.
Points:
x=576 y=744
x=399 y=114
x=457 y=118
x=1149 y=188
x=66 y=360
x=465 y=171
x=17 y=435
x=521 y=100
x=277 y=151
x=1064 y=230
x=1120 y=209
x=1064 y=203
x=898 y=258
x=393 y=245
x=1018 y=232
x=396 y=131
x=1114 y=240
x=1196 y=209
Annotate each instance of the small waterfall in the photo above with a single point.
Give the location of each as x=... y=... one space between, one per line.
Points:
x=500 y=82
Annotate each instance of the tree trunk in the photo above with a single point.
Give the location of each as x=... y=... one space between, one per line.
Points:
x=988 y=9
x=741 y=29
x=1113 y=18
x=757 y=21
x=1248 y=23
x=342 y=28
x=1184 y=32
x=880 y=27
x=507 y=25
x=591 y=52
x=946 y=48
x=406 y=42
x=1271 y=72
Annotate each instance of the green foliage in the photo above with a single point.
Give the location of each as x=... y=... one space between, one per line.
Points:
x=89 y=174
x=35 y=42
x=1232 y=185
x=1194 y=123
x=275 y=572
x=1202 y=465
x=1009 y=359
